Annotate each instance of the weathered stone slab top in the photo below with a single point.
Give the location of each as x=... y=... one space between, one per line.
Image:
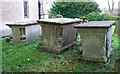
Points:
x=21 y=23
x=60 y=21
x=96 y=24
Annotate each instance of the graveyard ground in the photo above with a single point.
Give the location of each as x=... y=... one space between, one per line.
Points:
x=24 y=57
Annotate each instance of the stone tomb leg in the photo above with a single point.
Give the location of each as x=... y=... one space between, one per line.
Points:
x=58 y=34
x=96 y=40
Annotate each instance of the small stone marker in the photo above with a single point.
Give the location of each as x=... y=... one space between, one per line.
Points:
x=24 y=31
x=58 y=34
x=96 y=37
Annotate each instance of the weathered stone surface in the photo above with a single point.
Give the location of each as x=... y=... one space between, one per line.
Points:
x=31 y=31
x=96 y=24
x=96 y=40
x=60 y=21
x=21 y=23
x=93 y=43
x=58 y=34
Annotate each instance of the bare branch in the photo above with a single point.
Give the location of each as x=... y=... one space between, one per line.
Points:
x=111 y=7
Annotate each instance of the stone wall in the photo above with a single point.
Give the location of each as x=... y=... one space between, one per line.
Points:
x=33 y=32
x=44 y=9
x=13 y=11
x=0 y=11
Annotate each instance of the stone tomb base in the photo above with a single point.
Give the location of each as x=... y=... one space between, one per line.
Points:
x=93 y=44
x=96 y=37
x=58 y=34
x=24 y=31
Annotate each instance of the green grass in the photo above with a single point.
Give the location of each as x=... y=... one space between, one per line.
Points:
x=24 y=57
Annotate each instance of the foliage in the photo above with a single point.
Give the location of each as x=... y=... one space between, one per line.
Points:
x=72 y=9
x=106 y=16
x=56 y=16
x=96 y=16
x=25 y=57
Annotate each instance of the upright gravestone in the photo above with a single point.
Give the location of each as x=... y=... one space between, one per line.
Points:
x=24 y=31
x=96 y=39
x=58 y=34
